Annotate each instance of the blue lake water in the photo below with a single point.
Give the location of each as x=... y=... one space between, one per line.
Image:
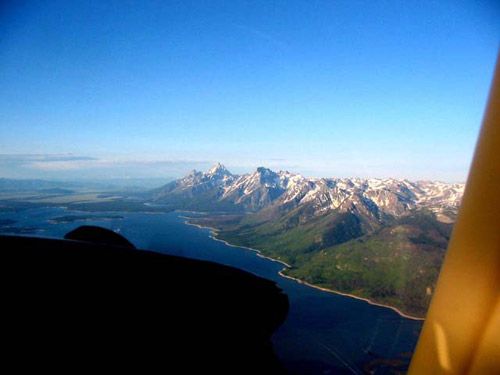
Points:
x=324 y=333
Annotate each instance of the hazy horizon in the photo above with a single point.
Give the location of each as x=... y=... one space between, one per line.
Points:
x=99 y=90
x=182 y=169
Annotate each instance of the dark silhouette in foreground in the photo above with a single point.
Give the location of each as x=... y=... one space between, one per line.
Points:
x=103 y=305
x=98 y=235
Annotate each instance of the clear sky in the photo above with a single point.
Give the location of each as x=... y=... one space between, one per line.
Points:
x=324 y=88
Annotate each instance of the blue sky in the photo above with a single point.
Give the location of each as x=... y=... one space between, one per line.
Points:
x=324 y=88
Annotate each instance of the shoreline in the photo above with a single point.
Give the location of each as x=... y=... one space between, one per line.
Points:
x=371 y=302
x=214 y=232
x=213 y=235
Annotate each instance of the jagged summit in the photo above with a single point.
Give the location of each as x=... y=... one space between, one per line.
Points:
x=218 y=169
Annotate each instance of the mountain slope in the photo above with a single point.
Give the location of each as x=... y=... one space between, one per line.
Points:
x=396 y=265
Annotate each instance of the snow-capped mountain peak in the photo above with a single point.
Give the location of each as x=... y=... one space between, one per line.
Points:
x=218 y=169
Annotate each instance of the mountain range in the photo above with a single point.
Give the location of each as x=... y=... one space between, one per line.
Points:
x=383 y=239
x=284 y=191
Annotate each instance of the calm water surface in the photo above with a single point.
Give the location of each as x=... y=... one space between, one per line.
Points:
x=324 y=333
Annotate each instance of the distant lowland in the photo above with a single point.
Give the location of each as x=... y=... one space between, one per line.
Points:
x=379 y=239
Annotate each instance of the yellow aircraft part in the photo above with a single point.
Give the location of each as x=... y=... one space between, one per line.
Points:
x=461 y=334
